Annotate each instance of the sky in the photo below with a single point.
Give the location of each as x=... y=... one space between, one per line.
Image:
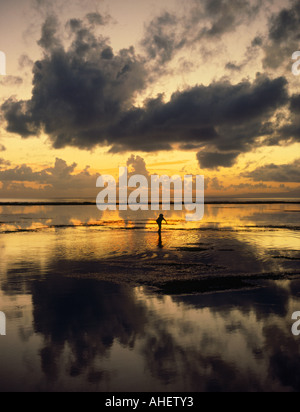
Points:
x=165 y=87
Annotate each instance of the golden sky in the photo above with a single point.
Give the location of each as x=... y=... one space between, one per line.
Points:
x=194 y=87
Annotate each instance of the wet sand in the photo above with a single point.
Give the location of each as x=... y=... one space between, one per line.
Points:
x=103 y=303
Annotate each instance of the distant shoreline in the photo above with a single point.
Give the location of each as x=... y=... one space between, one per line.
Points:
x=214 y=202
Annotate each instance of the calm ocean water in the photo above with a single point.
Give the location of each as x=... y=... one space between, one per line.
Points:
x=99 y=301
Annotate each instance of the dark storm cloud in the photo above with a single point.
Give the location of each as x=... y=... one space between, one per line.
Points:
x=283 y=36
x=79 y=92
x=213 y=18
x=203 y=20
x=163 y=37
x=224 y=15
x=222 y=117
x=285 y=24
x=49 y=39
x=214 y=160
x=295 y=104
x=84 y=96
x=290 y=131
x=288 y=173
x=18 y=119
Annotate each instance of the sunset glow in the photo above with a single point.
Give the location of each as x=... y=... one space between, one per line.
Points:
x=170 y=54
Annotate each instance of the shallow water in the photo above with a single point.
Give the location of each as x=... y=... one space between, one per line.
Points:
x=76 y=287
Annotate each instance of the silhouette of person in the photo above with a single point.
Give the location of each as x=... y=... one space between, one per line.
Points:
x=159 y=222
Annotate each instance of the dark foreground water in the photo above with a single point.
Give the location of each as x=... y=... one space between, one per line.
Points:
x=102 y=303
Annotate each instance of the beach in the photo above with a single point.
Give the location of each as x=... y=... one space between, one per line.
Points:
x=100 y=301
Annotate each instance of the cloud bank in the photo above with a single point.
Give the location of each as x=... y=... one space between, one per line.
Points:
x=84 y=94
x=277 y=173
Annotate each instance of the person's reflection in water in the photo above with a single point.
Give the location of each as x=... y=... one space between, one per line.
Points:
x=159 y=222
x=160 y=244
